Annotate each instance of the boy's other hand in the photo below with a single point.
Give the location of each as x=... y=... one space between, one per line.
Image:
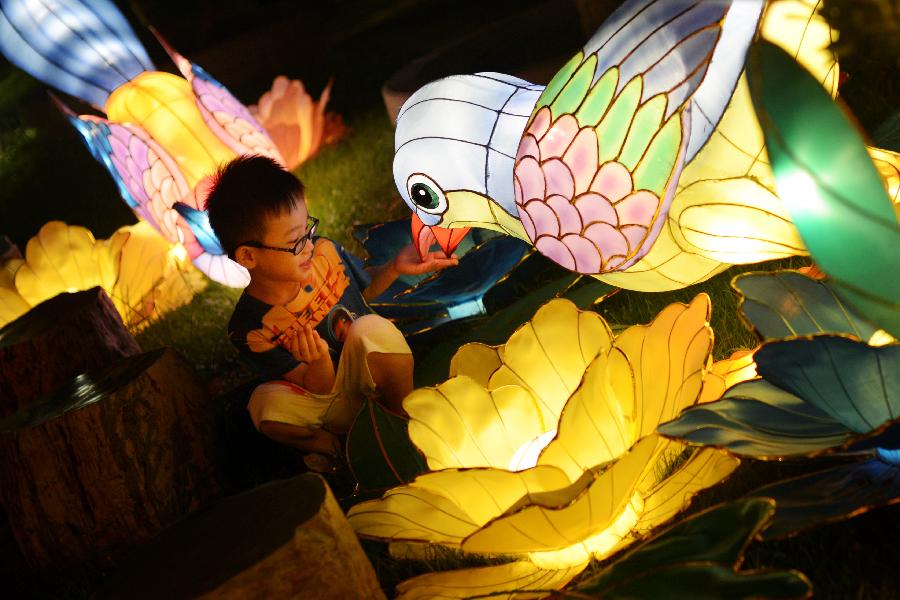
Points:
x=306 y=345
x=407 y=262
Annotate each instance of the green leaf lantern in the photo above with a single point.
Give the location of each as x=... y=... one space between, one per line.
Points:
x=699 y=557
x=829 y=184
x=379 y=452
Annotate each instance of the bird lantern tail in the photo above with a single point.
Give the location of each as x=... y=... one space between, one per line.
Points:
x=83 y=48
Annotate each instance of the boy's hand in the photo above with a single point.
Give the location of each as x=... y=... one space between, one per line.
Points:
x=306 y=345
x=407 y=262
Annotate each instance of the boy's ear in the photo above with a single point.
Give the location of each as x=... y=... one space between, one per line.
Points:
x=245 y=257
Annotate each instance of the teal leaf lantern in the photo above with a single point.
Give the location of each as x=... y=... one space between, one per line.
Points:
x=784 y=304
x=816 y=394
x=832 y=494
x=759 y=420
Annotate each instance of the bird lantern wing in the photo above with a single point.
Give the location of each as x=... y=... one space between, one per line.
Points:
x=224 y=114
x=599 y=162
x=148 y=178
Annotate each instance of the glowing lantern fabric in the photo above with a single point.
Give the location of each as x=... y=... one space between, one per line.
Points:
x=142 y=274
x=561 y=381
x=163 y=136
x=835 y=194
x=641 y=162
x=298 y=125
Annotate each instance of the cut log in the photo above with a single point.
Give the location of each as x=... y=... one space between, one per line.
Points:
x=55 y=341
x=107 y=461
x=287 y=539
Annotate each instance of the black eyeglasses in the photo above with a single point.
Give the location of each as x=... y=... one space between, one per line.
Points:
x=311 y=225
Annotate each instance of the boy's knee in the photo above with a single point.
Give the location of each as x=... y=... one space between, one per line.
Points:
x=374 y=327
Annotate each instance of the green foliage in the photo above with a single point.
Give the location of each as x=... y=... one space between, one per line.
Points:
x=350 y=183
x=198 y=331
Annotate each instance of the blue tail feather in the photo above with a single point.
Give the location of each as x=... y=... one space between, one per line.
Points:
x=85 y=49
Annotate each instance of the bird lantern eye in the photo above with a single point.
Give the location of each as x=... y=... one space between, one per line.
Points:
x=426 y=195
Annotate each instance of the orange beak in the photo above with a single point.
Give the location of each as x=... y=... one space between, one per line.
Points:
x=425 y=236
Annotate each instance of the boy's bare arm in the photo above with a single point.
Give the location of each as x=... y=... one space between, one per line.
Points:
x=316 y=373
x=406 y=262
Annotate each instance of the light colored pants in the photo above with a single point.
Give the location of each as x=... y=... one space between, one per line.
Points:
x=285 y=402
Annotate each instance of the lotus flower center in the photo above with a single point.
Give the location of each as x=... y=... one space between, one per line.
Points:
x=527 y=454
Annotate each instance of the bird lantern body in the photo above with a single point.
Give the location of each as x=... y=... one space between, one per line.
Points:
x=641 y=162
x=162 y=137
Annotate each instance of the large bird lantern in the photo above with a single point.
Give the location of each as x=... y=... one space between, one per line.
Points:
x=641 y=162
x=163 y=135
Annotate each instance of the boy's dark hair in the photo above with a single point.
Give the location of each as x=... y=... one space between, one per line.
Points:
x=243 y=193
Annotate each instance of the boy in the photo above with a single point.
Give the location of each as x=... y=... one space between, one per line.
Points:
x=305 y=310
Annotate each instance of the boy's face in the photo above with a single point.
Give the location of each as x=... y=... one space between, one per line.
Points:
x=283 y=231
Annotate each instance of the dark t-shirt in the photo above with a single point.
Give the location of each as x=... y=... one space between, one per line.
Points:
x=329 y=301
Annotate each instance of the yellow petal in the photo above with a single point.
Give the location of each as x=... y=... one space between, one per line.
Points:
x=151 y=278
x=485 y=494
x=705 y=468
x=461 y=424
x=58 y=259
x=888 y=165
x=413 y=514
x=517 y=578
x=668 y=358
x=586 y=512
x=477 y=361
x=12 y=306
x=549 y=354
x=8 y=272
x=723 y=374
x=593 y=428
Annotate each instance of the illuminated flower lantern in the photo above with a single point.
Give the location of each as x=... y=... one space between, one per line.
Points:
x=297 y=124
x=641 y=162
x=162 y=136
x=545 y=448
x=144 y=275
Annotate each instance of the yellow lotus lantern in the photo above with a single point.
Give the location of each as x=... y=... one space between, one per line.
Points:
x=544 y=449
x=142 y=273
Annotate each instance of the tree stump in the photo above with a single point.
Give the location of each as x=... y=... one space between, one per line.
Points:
x=107 y=461
x=286 y=539
x=55 y=341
